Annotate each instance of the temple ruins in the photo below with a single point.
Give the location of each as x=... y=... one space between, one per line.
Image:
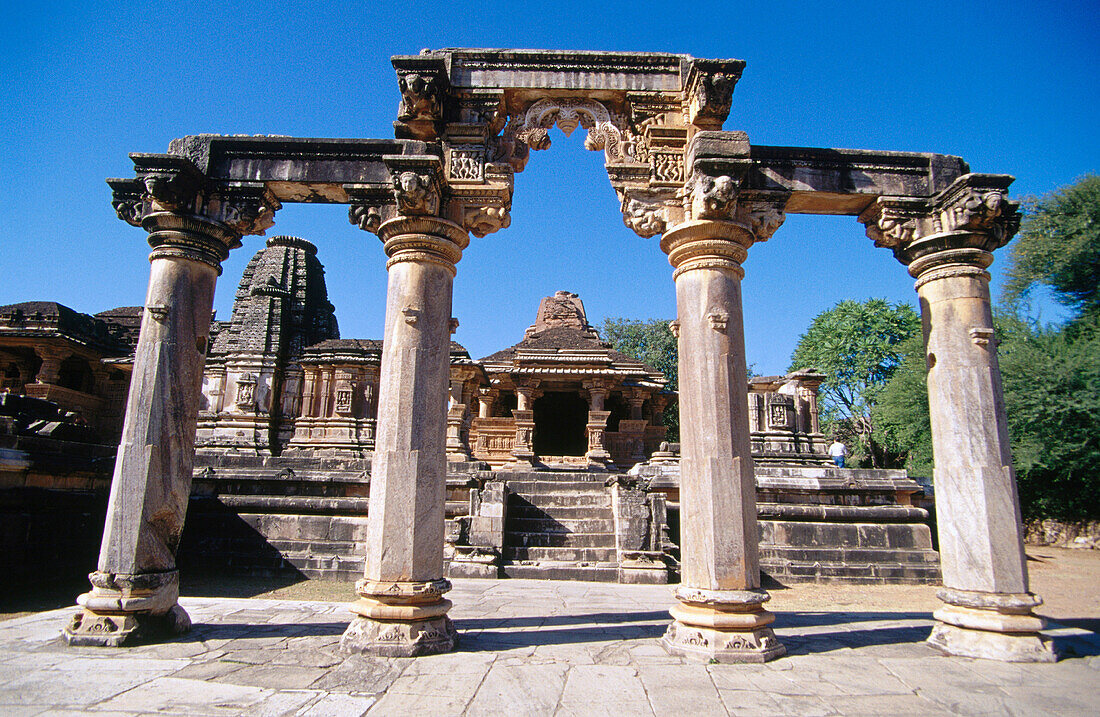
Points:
x=466 y=125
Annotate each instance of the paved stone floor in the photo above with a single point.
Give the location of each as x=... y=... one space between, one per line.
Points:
x=528 y=648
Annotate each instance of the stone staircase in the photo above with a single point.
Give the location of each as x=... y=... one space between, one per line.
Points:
x=559 y=526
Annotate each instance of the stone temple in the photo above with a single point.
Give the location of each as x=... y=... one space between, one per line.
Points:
x=467 y=124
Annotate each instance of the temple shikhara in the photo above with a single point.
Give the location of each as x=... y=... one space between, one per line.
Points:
x=404 y=461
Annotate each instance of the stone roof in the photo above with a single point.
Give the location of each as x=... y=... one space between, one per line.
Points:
x=562 y=343
x=48 y=318
x=363 y=350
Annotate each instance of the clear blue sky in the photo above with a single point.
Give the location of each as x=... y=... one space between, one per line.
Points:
x=1011 y=87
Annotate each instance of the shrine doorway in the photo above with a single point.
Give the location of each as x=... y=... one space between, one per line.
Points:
x=560 y=420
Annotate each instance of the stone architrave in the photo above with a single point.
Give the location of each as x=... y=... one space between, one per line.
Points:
x=135 y=588
x=947 y=243
x=401 y=611
x=720 y=614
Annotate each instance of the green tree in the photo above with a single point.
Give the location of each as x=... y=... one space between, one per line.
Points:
x=652 y=343
x=1051 y=382
x=1059 y=246
x=901 y=413
x=857 y=345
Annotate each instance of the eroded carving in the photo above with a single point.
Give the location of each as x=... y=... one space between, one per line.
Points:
x=415 y=193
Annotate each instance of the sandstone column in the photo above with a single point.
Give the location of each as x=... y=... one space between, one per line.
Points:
x=136 y=586
x=720 y=614
x=401 y=611
x=947 y=245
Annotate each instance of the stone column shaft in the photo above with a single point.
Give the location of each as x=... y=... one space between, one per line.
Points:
x=719 y=615
x=401 y=611
x=947 y=243
x=136 y=586
x=988 y=603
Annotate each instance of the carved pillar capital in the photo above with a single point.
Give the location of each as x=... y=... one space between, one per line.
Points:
x=186 y=215
x=950 y=234
x=707 y=244
x=423 y=239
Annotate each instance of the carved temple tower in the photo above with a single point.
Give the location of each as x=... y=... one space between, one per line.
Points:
x=251 y=385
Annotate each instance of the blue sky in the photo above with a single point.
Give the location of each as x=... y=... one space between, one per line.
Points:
x=1011 y=87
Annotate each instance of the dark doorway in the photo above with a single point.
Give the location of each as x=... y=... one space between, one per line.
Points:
x=560 y=420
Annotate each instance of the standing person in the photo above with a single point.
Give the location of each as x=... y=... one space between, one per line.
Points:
x=838 y=451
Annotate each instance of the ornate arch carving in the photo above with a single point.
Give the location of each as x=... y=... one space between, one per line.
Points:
x=606 y=131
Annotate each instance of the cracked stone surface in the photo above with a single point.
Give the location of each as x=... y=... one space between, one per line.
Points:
x=531 y=648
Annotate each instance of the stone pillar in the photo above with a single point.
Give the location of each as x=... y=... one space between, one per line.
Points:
x=597 y=455
x=485 y=398
x=720 y=614
x=597 y=394
x=50 y=370
x=947 y=245
x=401 y=611
x=136 y=586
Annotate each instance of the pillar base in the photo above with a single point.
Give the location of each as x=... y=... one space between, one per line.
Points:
x=993 y=626
x=124 y=610
x=391 y=638
x=1003 y=646
x=91 y=629
x=729 y=626
x=400 y=619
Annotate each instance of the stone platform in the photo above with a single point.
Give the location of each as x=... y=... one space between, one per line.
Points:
x=532 y=648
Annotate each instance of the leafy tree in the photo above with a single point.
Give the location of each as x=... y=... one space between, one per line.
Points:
x=652 y=343
x=857 y=345
x=901 y=413
x=1059 y=246
x=1052 y=392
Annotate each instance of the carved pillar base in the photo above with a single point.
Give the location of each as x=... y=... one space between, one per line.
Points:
x=123 y=610
x=400 y=619
x=993 y=626
x=729 y=626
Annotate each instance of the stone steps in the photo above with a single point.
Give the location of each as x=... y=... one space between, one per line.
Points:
x=562 y=554
x=880 y=573
x=560 y=500
x=560 y=540
x=522 y=511
x=600 y=572
x=555 y=486
x=850 y=556
x=543 y=524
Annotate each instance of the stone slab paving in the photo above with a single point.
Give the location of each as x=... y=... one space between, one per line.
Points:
x=528 y=648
